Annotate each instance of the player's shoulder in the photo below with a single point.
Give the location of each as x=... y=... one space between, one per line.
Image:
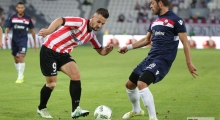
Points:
x=27 y=16
x=13 y=15
x=175 y=17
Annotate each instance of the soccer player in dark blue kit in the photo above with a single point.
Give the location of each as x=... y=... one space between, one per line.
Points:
x=164 y=32
x=19 y=23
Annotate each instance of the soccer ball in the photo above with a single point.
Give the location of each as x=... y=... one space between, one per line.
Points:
x=102 y=112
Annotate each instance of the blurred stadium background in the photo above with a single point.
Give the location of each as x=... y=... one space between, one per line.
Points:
x=177 y=97
x=127 y=17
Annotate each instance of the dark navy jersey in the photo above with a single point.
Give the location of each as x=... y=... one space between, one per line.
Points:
x=19 y=26
x=165 y=40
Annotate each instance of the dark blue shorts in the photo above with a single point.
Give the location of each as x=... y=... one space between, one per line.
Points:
x=18 y=48
x=158 y=67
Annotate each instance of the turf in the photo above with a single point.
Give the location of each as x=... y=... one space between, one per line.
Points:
x=177 y=96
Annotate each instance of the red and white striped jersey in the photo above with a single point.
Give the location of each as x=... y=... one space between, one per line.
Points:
x=74 y=32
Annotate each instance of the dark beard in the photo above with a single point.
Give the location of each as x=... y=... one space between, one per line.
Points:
x=158 y=10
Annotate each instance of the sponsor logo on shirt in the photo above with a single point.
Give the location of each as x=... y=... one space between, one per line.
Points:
x=155 y=33
x=76 y=40
x=18 y=26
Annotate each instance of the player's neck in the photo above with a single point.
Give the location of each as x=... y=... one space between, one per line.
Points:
x=20 y=15
x=163 y=11
x=90 y=24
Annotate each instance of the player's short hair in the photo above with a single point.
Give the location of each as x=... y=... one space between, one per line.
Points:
x=103 y=12
x=20 y=3
x=165 y=2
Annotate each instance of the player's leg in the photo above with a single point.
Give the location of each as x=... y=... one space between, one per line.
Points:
x=69 y=67
x=14 y=49
x=21 y=66
x=144 y=81
x=17 y=58
x=133 y=93
x=45 y=94
x=48 y=65
x=16 y=62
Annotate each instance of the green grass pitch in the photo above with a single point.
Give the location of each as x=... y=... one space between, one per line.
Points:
x=103 y=78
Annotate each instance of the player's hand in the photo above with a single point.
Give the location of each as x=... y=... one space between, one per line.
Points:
x=123 y=50
x=192 y=69
x=6 y=37
x=43 y=32
x=109 y=47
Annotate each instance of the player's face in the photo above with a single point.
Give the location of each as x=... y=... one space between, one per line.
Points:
x=155 y=7
x=97 y=22
x=20 y=9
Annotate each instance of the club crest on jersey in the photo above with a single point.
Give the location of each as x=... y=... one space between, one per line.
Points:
x=165 y=22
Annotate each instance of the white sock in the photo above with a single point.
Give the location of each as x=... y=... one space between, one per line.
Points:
x=16 y=66
x=148 y=101
x=134 y=96
x=21 y=67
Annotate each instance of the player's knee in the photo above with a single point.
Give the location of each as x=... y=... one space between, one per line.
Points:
x=141 y=85
x=146 y=79
x=75 y=76
x=129 y=85
x=51 y=85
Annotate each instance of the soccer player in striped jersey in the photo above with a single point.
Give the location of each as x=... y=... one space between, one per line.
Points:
x=19 y=23
x=164 y=32
x=54 y=55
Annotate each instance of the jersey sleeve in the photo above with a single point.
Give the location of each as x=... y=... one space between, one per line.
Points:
x=30 y=25
x=72 y=21
x=149 y=29
x=9 y=23
x=95 y=42
x=179 y=26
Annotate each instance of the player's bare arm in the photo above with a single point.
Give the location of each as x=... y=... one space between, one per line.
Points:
x=143 y=42
x=6 y=33
x=105 y=50
x=184 y=40
x=1 y=45
x=34 y=37
x=53 y=26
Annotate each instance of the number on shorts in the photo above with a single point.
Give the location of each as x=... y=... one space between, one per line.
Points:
x=54 y=65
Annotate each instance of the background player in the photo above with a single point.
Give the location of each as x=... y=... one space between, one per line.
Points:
x=54 y=55
x=20 y=22
x=165 y=32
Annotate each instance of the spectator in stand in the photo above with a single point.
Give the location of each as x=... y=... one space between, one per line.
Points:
x=11 y=11
x=121 y=18
x=130 y=18
x=203 y=4
x=87 y=2
x=140 y=16
x=145 y=5
x=193 y=4
x=144 y=17
x=173 y=3
x=137 y=6
x=212 y=15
